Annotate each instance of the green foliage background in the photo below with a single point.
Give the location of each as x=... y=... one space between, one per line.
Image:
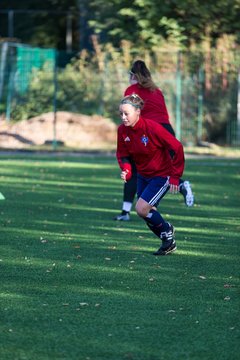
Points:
x=146 y=23
x=108 y=36
x=93 y=83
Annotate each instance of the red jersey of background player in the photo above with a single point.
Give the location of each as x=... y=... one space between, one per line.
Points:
x=154 y=103
x=148 y=144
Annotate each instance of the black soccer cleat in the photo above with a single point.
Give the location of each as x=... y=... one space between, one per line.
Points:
x=166 y=249
x=168 y=242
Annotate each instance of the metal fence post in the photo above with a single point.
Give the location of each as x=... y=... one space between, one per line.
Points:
x=10 y=88
x=69 y=33
x=3 y=62
x=178 y=95
x=200 y=105
x=54 y=143
x=238 y=110
x=10 y=23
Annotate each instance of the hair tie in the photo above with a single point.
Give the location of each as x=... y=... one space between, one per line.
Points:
x=131 y=103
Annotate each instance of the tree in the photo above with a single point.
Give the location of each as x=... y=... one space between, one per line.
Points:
x=145 y=23
x=40 y=23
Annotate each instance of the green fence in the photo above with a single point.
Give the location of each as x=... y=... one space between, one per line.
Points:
x=19 y=67
x=201 y=92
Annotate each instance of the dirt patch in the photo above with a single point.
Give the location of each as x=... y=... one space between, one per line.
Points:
x=74 y=130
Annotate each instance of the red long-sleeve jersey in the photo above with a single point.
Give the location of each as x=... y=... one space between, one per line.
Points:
x=154 y=103
x=148 y=145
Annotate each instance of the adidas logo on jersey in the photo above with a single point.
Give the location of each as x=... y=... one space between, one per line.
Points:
x=127 y=139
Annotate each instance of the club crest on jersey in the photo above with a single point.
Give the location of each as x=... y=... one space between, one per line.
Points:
x=144 y=140
x=127 y=139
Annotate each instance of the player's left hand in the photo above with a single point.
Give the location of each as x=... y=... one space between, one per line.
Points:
x=174 y=189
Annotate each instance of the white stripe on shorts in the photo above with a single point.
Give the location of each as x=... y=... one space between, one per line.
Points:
x=158 y=195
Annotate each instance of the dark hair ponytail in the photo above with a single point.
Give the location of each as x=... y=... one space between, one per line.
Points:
x=143 y=75
x=139 y=67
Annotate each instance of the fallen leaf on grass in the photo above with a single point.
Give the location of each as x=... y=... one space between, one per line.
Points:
x=228 y=285
x=83 y=304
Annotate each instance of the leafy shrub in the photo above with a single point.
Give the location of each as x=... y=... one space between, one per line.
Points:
x=93 y=83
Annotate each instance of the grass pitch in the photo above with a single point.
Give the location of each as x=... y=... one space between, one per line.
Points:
x=77 y=285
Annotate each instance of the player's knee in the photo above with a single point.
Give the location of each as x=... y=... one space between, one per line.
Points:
x=141 y=210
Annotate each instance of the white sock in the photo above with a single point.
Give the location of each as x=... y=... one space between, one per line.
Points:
x=127 y=206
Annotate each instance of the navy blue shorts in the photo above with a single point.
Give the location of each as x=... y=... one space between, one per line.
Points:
x=152 y=190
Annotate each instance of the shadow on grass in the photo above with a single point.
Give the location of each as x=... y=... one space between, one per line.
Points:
x=77 y=285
